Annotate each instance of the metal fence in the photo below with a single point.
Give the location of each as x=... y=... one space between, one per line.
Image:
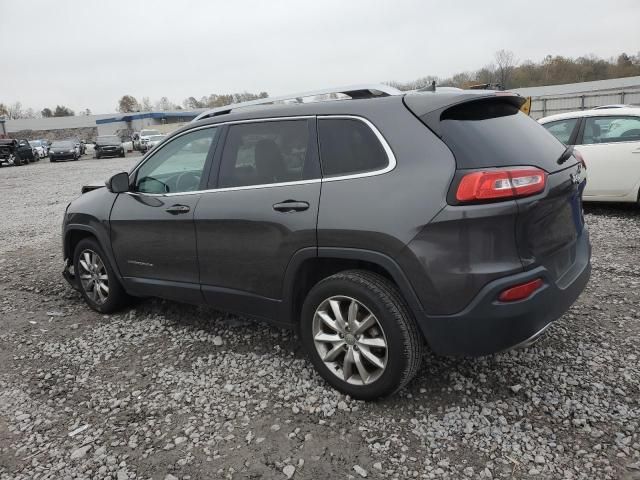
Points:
x=552 y=104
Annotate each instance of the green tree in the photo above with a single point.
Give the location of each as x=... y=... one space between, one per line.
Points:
x=62 y=111
x=128 y=104
x=46 y=112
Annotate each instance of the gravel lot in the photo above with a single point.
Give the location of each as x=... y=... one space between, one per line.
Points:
x=168 y=391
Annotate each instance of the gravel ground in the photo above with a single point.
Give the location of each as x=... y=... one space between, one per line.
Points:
x=168 y=391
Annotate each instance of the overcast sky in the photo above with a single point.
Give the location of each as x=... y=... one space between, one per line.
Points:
x=87 y=54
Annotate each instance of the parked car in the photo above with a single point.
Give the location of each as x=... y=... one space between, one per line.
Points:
x=80 y=144
x=143 y=135
x=45 y=145
x=609 y=142
x=64 y=150
x=151 y=142
x=39 y=150
x=109 y=146
x=15 y=152
x=371 y=226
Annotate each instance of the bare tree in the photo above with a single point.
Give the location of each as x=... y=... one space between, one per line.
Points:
x=146 y=105
x=506 y=63
x=15 y=111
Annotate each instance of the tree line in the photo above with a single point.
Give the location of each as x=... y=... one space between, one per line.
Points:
x=129 y=104
x=15 y=111
x=506 y=71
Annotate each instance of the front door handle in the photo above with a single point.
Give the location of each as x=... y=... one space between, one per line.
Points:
x=177 y=209
x=291 y=206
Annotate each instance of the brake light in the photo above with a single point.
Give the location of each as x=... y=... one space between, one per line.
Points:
x=520 y=292
x=580 y=158
x=501 y=184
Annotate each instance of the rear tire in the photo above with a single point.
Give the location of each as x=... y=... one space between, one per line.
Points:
x=379 y=347
x=98 y=283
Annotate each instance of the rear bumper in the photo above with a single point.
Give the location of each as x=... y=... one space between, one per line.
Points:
x=488 y=326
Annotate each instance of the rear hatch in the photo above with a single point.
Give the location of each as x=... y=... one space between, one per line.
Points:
x=487 y=133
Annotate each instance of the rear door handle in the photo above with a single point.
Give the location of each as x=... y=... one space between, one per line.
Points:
x=177 y=209
x=291 y=206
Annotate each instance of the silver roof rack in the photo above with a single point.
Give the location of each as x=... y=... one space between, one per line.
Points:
x=353 y=91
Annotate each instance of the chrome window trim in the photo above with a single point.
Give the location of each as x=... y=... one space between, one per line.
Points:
x=390 y=157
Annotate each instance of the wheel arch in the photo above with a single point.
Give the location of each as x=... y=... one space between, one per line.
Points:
x=310 y=265
x=74 y=233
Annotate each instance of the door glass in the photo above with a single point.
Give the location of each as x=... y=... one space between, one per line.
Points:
x=611 y=130
x=178 y=165
x=268 y=152
x=349 y=146
x=562 y=129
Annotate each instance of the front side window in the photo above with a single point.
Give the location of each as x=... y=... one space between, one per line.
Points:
x=178 y=166
x=263 y=153
x=611 y=130
x=349 y=146
x=562 y=129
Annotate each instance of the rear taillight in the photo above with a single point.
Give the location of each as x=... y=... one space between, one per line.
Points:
x=520 y=292
x=580 y=158
x=501 y=184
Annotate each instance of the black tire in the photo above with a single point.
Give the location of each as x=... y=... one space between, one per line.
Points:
x=404 y=343
x=122 y=154
x=52 y=160
x=97 y=156
x=116 y=298
x=17 y=160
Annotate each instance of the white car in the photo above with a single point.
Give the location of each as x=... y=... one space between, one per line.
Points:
x=38 y=148
x=151 y=142
x=609 y=141
x=143 y=136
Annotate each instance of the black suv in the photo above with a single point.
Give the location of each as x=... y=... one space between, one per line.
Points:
x=373 y=225
x=109 y=146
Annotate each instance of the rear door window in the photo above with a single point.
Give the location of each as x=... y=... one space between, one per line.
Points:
x=262 y=153
x=349 y=146
x=611 y=130
x=562 y=129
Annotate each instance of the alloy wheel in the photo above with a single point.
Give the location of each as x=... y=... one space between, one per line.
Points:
x=350 y=340
x=93 y=276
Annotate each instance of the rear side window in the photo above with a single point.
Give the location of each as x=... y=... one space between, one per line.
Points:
x=268 y=152
x=611 y=130
x=349 y=146
x=495 y=133
x=562 y=129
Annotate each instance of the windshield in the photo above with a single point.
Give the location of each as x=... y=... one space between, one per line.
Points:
x=108 y=138
x=156 y=138
x=146 y=133
x=62 y=145
x=35 y=143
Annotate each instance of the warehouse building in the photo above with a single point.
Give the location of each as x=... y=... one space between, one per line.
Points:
x=554 y=99
x=87 y=127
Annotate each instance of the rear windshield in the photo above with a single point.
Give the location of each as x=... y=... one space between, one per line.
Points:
x=62 y=144
x=494 y=133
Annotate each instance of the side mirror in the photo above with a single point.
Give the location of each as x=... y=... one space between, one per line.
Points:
x=119 y=183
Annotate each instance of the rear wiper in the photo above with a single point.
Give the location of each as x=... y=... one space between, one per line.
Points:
x=565 y=155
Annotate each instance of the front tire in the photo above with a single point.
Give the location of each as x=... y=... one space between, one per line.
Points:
x=98 y=283
x=360 y=335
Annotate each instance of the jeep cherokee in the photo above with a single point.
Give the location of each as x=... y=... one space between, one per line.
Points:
x=374 y=225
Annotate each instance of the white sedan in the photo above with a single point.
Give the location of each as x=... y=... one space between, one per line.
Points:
x=609 y=141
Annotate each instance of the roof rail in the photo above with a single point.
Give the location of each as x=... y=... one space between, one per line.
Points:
x=353 y=91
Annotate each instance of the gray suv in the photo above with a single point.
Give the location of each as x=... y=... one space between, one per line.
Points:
x=375 y=225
